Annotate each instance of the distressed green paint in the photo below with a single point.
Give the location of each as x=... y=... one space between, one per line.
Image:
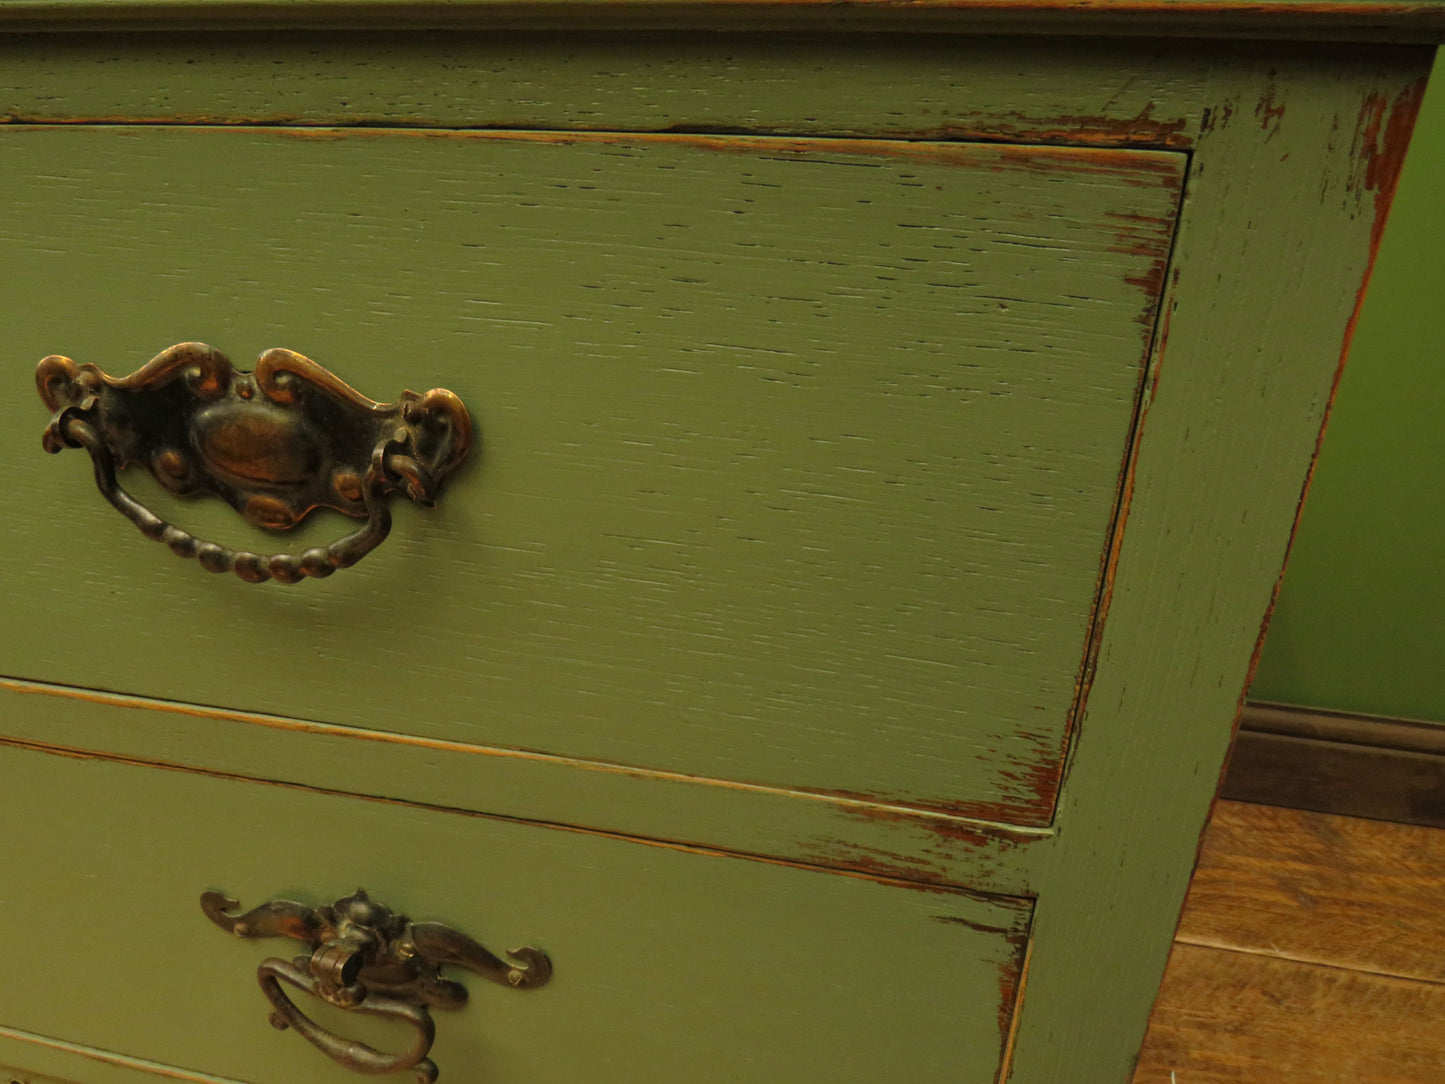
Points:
x=817 y=830
x=1358 y=624
x=651 y=946
x=1336 y=20
x=797 y=459
x=702 y=83
x=1244 y=374
x=1272 y=244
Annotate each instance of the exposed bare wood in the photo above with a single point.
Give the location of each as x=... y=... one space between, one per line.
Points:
x=1325 y=889
x=1240 y=1018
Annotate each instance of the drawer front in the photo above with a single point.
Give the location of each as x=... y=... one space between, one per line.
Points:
x=670 y=965
x=798 y=458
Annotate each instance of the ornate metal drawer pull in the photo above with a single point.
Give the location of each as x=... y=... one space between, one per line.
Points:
x=275 y=444
x=370 y=961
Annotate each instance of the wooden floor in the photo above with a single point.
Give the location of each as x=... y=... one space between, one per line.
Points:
x=1312 y=951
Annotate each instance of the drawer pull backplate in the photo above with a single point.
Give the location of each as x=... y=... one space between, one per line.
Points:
x=369 y=960
x=274 y=443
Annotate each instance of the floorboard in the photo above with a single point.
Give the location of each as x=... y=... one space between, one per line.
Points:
x=1325 y=889
x=1241 y=1018
x=1312 y=951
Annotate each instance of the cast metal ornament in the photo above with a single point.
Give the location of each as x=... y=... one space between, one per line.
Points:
x=274 y=443
x=370 y=961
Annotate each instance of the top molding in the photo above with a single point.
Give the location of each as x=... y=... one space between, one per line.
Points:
x=1421 y=21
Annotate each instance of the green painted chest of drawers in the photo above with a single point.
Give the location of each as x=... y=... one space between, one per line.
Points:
x=891 y=423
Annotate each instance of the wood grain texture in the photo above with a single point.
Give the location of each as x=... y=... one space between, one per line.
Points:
x=1341 y=20
x=798 y=457
x=701 y=967
x=1286 y=190
x=1377 y=781
x=604 y=798
x=1240 y=1018
x=1316 y=888
x=1196 y=557
x=950 y=89
x=1306 y=952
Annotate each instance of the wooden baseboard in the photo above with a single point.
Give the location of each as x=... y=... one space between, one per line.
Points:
x=1333 y=762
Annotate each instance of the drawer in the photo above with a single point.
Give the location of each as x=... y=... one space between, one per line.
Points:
x=670 y=965
x=799 y=458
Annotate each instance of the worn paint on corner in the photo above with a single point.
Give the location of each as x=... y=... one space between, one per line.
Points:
x=931 y=844
x=1016 y=995
x=1382 y=136
x=1381 y=140
x=930 y=850
x=948 y=829
x=1030 y=778
x=1010 y=976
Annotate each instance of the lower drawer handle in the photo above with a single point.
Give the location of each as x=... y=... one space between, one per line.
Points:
x=351 y=1053
x=274 y=443
x=367 y=959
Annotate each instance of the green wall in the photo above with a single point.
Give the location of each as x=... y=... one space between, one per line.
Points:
x=1358 y=624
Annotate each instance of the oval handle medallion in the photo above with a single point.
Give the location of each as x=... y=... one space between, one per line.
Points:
x=274 y=444
x=371 y=961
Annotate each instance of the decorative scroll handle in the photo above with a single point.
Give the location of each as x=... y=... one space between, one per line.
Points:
x=368 y=960
x=274 y=443
x=351 y=1053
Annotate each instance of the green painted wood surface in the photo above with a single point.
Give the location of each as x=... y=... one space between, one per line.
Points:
x=23 y=1076
x=669 y=965
x=1357 y=627
x=1244 y=373
x=60 y=1062
x=1336 y=20
x=817 y=830
x=932 y=89
x=1273 y=243
x=798 y=458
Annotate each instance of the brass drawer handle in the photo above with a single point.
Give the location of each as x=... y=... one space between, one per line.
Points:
x=369 y=960
x=274 y=443
x=351 y=1053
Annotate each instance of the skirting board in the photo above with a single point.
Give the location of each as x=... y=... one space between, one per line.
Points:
x=1333 y=762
